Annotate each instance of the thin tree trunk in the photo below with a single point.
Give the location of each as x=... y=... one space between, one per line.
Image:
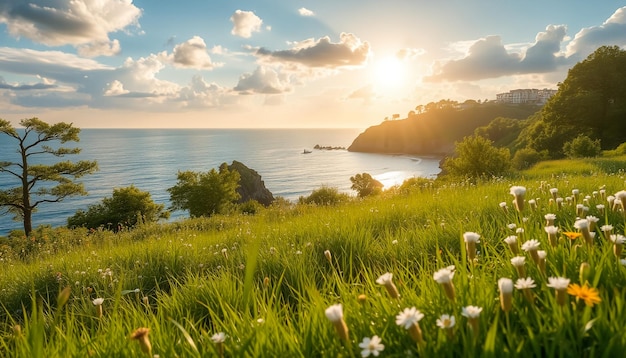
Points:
x=28 y=225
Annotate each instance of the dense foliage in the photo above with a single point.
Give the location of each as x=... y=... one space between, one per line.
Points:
x=365 y=185
x=591 y=101
x=582 y=147
x=205 y=194
x=127 y=207
x=476 y=157
x=527 y=157
x=40 y=183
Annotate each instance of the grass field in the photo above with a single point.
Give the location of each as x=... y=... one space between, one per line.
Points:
x=268 y=285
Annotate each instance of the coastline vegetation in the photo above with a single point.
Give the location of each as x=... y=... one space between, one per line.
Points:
x=288 y=280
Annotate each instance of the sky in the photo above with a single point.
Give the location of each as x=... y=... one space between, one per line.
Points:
x=282 y=64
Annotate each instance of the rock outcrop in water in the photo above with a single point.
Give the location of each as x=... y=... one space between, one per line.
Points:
x=251 y=187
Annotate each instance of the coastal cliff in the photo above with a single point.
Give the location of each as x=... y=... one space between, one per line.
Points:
x=433 y=132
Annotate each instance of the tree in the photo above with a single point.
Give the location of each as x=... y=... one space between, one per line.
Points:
x=126 y=207
x=591 y=100
x=365 y=185
x=476 y=157
x=40 y=183
x=205 y=194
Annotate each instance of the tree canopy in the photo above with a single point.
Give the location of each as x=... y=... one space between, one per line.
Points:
x=591 y=101
x=365 y=185
x=40 y=183
x=205 y=194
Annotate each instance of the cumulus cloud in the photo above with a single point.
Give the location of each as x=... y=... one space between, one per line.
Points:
x=245 y=23
x=64 y=22
x=305 y=12
x=489 y=58
x=192 y=53
x=200 y=94
x=263 y=80
x=115 y=88
x=350 y=51
x=611 y=32
x=543 y=55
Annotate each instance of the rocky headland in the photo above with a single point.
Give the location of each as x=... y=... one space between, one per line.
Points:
x=434 y=132
x=251 y=186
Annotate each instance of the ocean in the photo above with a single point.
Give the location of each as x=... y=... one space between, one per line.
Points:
x=150 y=159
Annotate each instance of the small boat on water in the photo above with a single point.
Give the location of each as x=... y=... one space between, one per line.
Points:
x=307 y=152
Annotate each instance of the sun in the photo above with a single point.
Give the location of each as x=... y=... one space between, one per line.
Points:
x=389 y=72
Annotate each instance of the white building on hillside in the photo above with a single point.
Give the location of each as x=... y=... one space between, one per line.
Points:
x=527 y=95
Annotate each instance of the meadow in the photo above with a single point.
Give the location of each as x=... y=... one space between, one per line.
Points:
x=419 y=272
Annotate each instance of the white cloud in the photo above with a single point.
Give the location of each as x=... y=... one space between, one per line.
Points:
x=200 y=94
x=26 y=61
x=490 y=58
x=611 y=32
x=264 y=80
x=305 y=12
x=350 y=51
x=66 y=22
x=192 y=53
x=66 y=80
x=43 y=84
x=115 y=88
x=99 y=48
x=245 y=23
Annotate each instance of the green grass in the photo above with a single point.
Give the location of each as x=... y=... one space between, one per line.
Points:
x=265 y=281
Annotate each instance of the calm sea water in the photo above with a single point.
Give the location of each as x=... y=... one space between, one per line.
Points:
x=150 y=159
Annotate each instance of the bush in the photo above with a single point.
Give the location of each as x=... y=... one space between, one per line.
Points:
x=582 y=147
x=127 y=207
x=527 y=157
x=324 y=196
x=250 y=207
x=476 y=157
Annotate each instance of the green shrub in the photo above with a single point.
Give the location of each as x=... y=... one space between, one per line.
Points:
x=324 y=196
x=250 y=207
x=127 y=207
x=582 y=147
x=527 y=157
x=476 y=157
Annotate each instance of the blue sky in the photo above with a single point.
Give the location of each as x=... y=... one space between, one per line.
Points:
x=270 y=63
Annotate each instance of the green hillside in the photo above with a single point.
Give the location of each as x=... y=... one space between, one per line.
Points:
x=266 y=281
